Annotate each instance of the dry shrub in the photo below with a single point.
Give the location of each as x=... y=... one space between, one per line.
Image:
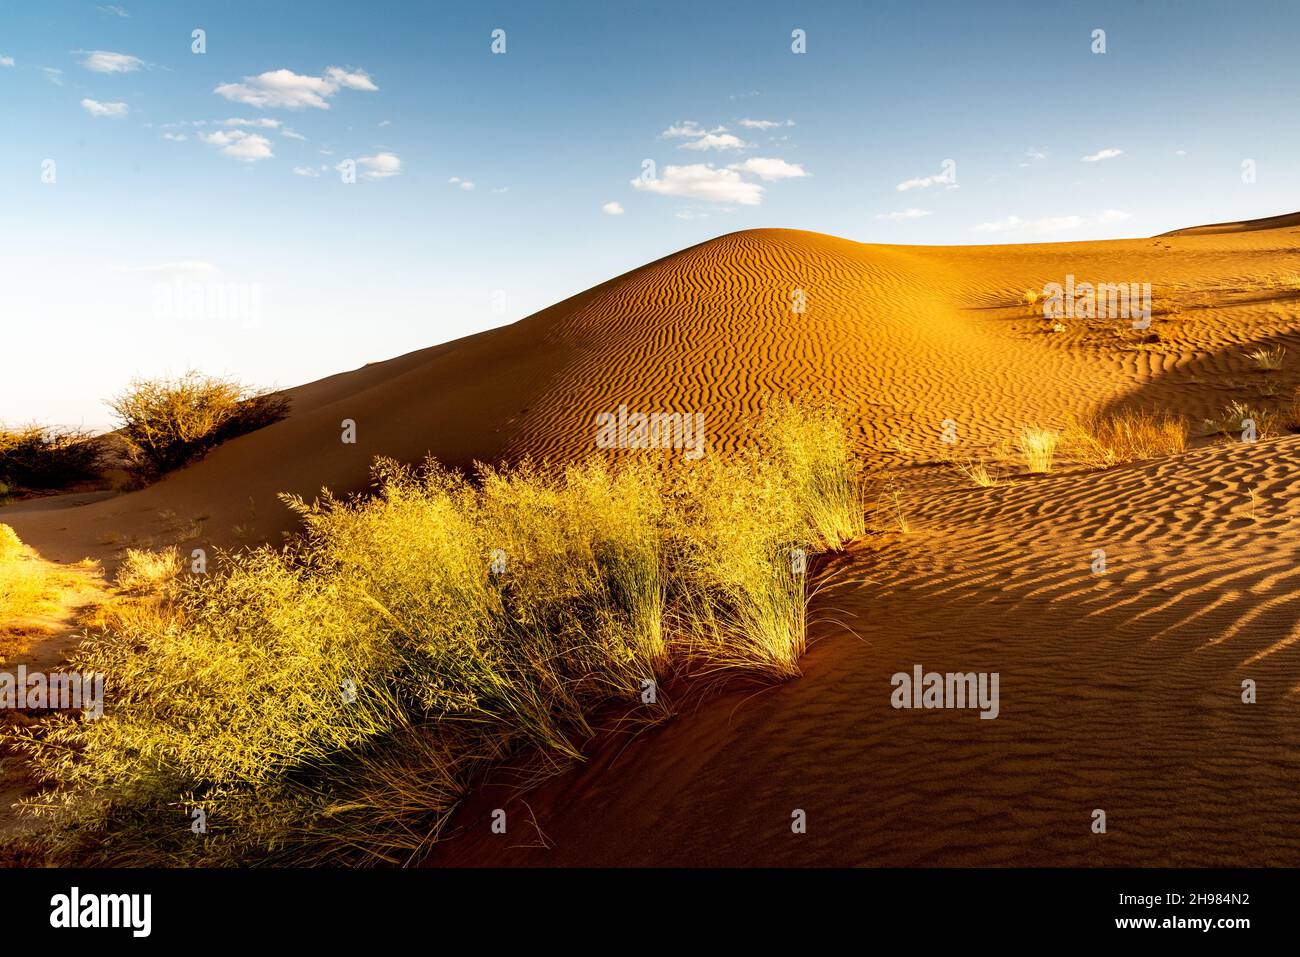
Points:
x=1236 y=414
x=1104 y=441
x=167 y=423
x=43 y=457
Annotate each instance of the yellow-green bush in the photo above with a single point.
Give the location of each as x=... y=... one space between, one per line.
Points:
x=332 y=700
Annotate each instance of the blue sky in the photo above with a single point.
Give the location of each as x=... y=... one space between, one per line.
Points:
x=210 y=179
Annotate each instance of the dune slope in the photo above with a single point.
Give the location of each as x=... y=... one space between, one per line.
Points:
x=1120 y=691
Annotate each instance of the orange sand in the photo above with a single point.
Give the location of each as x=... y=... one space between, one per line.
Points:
x=1119 y=692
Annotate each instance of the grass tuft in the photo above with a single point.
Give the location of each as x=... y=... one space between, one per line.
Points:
x=1037 y=446
x=1105 y=441
x=333 y=699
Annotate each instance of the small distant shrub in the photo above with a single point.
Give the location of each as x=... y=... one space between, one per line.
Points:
x=167 y=423
x=978 y=472
x=1037 y=447
x=43 y=457
x=1104 y=441
x=1267 y=359
x=1231 y=421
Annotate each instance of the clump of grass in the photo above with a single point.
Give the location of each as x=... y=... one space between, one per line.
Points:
x=333 y=699
x=1267 y=359
x=1235 y=415
x=24 y=585
x=43 y=457
x=149 y=571
x=1104 y=441
x=167 y=423
x=1037 y=446
x=978 y=472
x=812 y=447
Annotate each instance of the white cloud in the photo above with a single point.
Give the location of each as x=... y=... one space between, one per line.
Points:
x=380 y=166
x=292 y=134
x=903 y=215
x=715 y=141
x=702 y=181
x=924 y=182
x=612 y=209
x=684 y=128
x=1050 y=224
x=175 y=137
x=764 y=124
x=304 y=171
x=385 y=122
x=240 y=144
x=114 y=10
x=104 y=61
x=1100 y=155
x=1034 y=154
x=53 y=74
x=1180 y=152
x=769 y=169
x=466 y=184
x=261 y=122
x=6 y=61
x=97 y=109
x=291 y=91
x=358 y=80
x=499 y=189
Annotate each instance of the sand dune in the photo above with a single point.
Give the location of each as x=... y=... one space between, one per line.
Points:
x=1291 y=220
x=1120 y=691
x=905 y=337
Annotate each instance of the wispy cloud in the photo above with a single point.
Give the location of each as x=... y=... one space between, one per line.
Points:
x=175 y=137
x=53 y=74
x=98 y=109
x=465 y=184
x=113 y=10
x=715 y=141
x=305 y=171
x=1100 y=155
x=703 y=181
x=902 y=215
x=6 y=61
x=240 y=144
x=770 y=169
x=105 y=61
x=1050 y=224
x=285 y=89
x=380 y=166
x=924 y=182
x=763 y=124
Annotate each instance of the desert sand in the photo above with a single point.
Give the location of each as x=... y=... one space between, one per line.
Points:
x=1120 y=691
